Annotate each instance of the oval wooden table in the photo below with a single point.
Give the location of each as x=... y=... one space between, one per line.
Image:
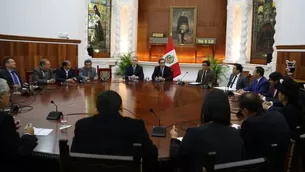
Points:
x=179 y=105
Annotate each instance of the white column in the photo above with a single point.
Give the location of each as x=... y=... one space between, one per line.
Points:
x=275 y=36
x=244 y=34
x=229 y=37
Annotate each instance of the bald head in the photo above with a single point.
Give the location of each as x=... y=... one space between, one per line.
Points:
x=250 y=102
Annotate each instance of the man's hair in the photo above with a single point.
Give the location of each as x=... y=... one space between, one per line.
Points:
x=88 y=61
x=43 y=62
x=3 y=86
x=250 y=101
x=161 y=60
x=207 y=62
x=65 y=63
x=108 y=101
x=239 y=67
x=260 y=70
x=275 y=76
x=5 y=61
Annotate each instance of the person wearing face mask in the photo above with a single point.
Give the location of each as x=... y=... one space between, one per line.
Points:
x=13 y=148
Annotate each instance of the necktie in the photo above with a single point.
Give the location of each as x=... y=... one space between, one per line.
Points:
x=15 y=78
x=134 y=69
x=162 y=70
x=274 y=92
x=233 y=81
x=203 y=77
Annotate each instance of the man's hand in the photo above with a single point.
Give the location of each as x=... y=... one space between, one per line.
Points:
x=51 y=81
x=174 y=132
x=262 y=97
x=16 y=86
x=29 y=129
x=17 y=124
x=267 y=105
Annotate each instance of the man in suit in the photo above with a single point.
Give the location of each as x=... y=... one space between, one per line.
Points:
x=272 y=94
x=9 y=73
x=100 y=133
x=162 y=72
x=65 y=73
x=12 y=147
x=262 y=129
x=134 y=71
x=206 y=76
x=237 y=79
x=43 y=74
x=87 y=73
x=259 y=85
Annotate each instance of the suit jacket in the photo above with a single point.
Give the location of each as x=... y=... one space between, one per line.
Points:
x=261 y=87
x=39 y=77
x=82 y=73
x=5 y=74
x=272 y=95
x=100 y=134
x=210 y=77
x=167 y=73
x=259 y=132
x=199 y=141
x=12 y=147
x=242 y=81
x=138 y=72
x=60 y=74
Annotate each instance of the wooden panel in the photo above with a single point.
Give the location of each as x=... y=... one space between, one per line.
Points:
x=27 y=54
x=296 y=47
x=153 y=16
x=299 y=57
x=28 y=38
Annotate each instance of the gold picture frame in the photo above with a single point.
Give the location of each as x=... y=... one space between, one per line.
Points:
x=183 y=25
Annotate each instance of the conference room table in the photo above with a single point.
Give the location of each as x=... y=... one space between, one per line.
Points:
x=178 y=105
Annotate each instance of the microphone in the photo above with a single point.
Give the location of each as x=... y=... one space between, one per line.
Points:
x=181 y=82
x=54 y=115
x=157 y=131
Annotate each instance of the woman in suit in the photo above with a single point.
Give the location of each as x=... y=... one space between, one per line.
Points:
x=215 y=135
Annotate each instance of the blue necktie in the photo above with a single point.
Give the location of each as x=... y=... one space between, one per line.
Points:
x=15 y=78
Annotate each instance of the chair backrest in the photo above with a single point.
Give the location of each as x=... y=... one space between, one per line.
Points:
x=79 y=162
x=103 y=72
x=28 y=76
x=295 y=154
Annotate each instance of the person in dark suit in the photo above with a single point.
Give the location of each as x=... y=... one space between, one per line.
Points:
x=292 y=109
x=206 y=76
x=261 y=129
x=65 y=73
x=237 y=80
x=260 y=84
x=134 y=71
x=100 y=133
x=162 y=72
x=87 y=73
x=10 y=74
x=43 y=74
x=12 y=147
x=272 y=94
x=215 y=135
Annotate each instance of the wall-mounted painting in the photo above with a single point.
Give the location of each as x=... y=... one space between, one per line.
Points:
x=182 y=26
x=99 y=24
x=264 y=13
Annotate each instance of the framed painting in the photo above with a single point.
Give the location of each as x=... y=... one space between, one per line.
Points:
x=182 y=25
x=99 y=25
x=263 y=23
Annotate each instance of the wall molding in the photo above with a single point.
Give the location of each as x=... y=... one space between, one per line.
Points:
x=38 y=39
x=295 y=47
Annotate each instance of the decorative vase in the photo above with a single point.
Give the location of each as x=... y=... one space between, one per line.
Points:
x=290 y=67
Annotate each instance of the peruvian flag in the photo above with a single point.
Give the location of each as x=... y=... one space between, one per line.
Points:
x=171 y=59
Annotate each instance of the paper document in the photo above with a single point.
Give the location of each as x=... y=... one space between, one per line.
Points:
x=195 y=83
x=236 y=126
x=42 y=131
x=225 y=88
x=180 y=138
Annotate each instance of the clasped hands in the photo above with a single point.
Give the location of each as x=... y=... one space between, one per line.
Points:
x=29 y=129
x=71 y=80
x=133 y=77
x=159 y=78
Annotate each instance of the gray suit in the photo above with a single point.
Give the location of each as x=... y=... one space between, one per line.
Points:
x=85 y=73
x=41 y=77
x=209 y=79
x=242 y=81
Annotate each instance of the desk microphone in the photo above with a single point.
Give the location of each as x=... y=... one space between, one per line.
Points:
x=54 y=115
x=181 y=82
x=157 y=131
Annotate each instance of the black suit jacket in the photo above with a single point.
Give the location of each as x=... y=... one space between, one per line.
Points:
x=60 y=75
x=199 y=141
x=259 y=132
x=138 y=72
x=242 y=81
x=12 y=147
x=113 y=134
x=5 y=74
x=167 y=73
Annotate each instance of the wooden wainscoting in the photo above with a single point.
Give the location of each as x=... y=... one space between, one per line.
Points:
x=291 y=52
x=28 y=51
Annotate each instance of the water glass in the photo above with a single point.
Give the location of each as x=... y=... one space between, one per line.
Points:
x=147 y=79
x=63 y=120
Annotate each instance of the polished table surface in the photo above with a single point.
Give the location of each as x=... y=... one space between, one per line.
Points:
x=174 y=104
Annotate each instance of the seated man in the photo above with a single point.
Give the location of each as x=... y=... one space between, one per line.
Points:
x=100 y=133
x=259 y=84
x=162 y=72
x=43 y=74
x=206 y=76
x=262 y=129
x=134 y=71
x=12 y=147
x=9 y=73
x=87 y=73
x=237 y=79
x=272 y=94
x=65 y=73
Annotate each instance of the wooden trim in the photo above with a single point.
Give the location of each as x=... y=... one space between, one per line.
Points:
x=298 y=47
x=38 y=39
